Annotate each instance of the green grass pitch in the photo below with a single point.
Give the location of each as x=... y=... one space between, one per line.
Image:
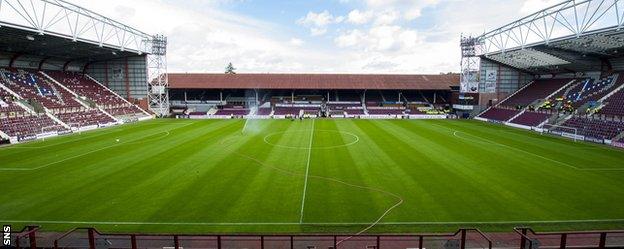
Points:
x=311 y=176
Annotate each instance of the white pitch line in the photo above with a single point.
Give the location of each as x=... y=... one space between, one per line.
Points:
x=305 y=182
x=90 y=152
x=516 y=149
x=536 y=155
x=309 y=223
x=96 y=133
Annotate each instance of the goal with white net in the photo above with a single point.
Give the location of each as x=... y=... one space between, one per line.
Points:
x=47 y=131
x=564 y=131
x=75 y=127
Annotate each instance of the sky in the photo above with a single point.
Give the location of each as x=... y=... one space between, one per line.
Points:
x=321 y=36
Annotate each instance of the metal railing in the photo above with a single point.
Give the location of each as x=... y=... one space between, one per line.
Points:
x=529 y=239
x=308 y=241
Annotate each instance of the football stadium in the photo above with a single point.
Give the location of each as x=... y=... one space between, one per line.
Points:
x=101 y=146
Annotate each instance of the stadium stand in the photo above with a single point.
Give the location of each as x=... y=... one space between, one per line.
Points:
x=7 y=105
x=596 y=128
x=34 y=87
x=29 y=126
x=327 y=95
x=614 y=105
x=499 y=114
x=52 y=105
x=87 y=88
x=284 y=111
x=15 y=121
x=539 y=89
x=232 y=110
x=91 y=117
x=348 y=96
x=385 y=111
x=264 y=111
x=592 y=90
x=584 y=91
x=531 y=118
x=373 y=97
x=348 y=108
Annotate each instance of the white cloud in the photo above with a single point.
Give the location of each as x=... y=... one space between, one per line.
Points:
x=314 y=31
x=386 y=17
x=206 y=39
x=318 y=22
x=359 y=17
x=296 y=42
x=532 y=6
x=410 y=9
x=204 y=36
x=351 y=38
x=317 y=19
x=379 y=39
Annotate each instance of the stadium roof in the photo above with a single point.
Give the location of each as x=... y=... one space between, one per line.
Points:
x=24 y=42
x=63 y=19
x=313 y=81
x=556 y=39
x=55 y=30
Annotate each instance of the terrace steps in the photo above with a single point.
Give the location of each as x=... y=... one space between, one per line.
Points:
x=517 y=115
x=75 y=96
x=30 y=105
x=505 y=99
x=516 y=92
x=113 y=92
x=57 y=120
x=87 y=103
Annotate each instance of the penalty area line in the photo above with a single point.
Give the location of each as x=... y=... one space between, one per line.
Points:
x=455 y=133
x=167 y=132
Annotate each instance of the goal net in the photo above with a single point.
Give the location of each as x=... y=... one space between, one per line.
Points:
x=75 y=127
x=564 y=131
x=47 y=131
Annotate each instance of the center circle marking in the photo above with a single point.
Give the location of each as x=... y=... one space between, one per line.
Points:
x=355 y=139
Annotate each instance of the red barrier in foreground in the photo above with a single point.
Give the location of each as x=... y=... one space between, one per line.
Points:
x=467 y=238
x=91 y=238
x=529 y=239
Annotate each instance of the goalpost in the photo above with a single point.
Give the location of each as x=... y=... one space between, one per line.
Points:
x=75 y=127
x=48 y=129
x=564 y=131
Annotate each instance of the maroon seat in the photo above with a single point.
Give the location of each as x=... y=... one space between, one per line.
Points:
x=102 y=96
x=530 y=118
x=539 y=89
x=499 y=114
x=601 y=129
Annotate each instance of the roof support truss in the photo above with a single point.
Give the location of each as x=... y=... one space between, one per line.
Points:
x=64 y=19
x=572 y=18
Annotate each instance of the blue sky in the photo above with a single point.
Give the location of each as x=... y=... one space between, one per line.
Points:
x=344 y=36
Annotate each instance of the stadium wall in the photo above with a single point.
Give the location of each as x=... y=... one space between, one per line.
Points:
x=509 y=80
x=126 y=76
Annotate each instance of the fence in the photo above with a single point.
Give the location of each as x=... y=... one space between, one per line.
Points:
x=92 y=239
x=468 y=238
x=529 y=239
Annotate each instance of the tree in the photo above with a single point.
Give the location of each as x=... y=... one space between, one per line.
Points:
x=230 y=69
